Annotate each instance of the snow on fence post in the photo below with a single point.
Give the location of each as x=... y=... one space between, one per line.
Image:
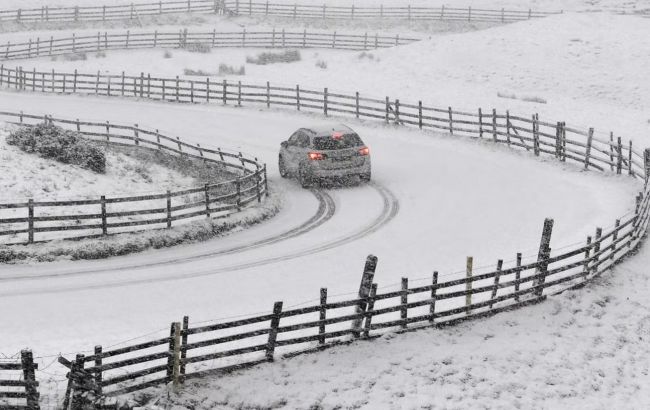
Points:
x=585 y=269
x=495 y=287
x=494 y=124
x=169 y=209
x=420 y=114
x=619 y=160
x=273 y=333
x=542 y=257
x=370 y=310
x=517 y=276
x=322 y=315
x=176 y=355
x=468 y=285
x=183 y=347
x=297 y=97
x=104 y=225
x=364 y=291
x=404 y=303
x=432 y=305
x=30 y=221
x=325 y=101
x=590 y=139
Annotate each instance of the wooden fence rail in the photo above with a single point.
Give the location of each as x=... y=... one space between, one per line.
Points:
x=137 y=10
x=186 y=39
x=18 y=385
x=20 y=221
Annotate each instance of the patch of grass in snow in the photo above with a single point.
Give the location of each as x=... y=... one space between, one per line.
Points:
x=288 y=56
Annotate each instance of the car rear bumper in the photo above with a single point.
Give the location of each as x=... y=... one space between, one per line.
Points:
x=317 y=172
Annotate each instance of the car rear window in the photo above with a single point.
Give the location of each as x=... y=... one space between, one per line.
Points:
x=330 y=143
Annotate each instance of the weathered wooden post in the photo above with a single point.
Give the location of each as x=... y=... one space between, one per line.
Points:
x=169 y=209
x=434 y=289
x=387 y=109
x=468 y=285
x=30 y=220
x=495 y=287
x=183 y=347
x=594 y=266
x=646 y=163
x=364 y=291
x=369 y=311
x=176 y=355
x=273 y=333
x=420 y=114
x=517 y=276
x=494 y=124
x=322 y=315
x=590 y=139
x=585 y=269
x=480 y=123
x=535 y=135
x=325 y=101
x=542 y=257
x=268 y=95
x=104 y=224
x=451 y=122
x=404 y=303
x=29 y=377
x=98 y=373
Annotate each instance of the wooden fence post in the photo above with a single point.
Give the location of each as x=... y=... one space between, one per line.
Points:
x=183 y=347
x=98 y=373
x=364 y=291
x=480 y=123
x=518 y=276
x=104 y=224
x=225 y=92
x=617 y=224
x=176 y=355
x=169 y=209
x=451 y=122
x=30 y=222
x=619 y=160
x=629 y=159
x=322 y=315
x=325 y=101
x=542 y=257
x=297 y=97
x=273 y=333
x=585 y=270
x=494 y=124
x=495 y=287
x=78 y=382
x=468 y=285
x=268 y=94
x=397 y=121
x=404 y=303
x=370 y=310
x=239 y=93
x=29 y=377
x=508 y=127
x=177 y=89
x=599 y=233
x=646 y=163
x=590 y=139
x=420 y=114
x=535 y=136
x=387 y=109
x=432 y=305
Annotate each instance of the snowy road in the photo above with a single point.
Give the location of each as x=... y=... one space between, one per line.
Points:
x=455 y=197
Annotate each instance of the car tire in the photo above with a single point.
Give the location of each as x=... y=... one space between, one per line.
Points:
x=305 y=180
x=282 y=167
x=365 y=177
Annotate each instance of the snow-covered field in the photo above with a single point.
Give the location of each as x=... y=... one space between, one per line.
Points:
x=457 y=197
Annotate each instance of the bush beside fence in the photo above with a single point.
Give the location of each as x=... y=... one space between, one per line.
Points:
x=20 y=222
x=134 y=11
x=18 y=383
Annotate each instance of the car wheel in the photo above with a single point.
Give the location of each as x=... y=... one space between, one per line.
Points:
x=282 y=167
x=305 y=180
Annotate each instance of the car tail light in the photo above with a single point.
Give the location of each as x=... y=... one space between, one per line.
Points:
x=364 y=151
x=315 y=156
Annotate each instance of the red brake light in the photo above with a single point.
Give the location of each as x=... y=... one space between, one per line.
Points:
x=364 y=151
x=337 y=135
x=315 y=156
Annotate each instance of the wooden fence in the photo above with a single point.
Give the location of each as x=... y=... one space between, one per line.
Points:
x=18 y=385
x=193 y=351
x=128 y=40
x=20 y=222
x=134 y=11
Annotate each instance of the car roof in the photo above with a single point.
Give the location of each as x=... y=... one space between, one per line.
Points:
x=326 y=130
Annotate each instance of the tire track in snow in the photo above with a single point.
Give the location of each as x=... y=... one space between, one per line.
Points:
x=389 y=210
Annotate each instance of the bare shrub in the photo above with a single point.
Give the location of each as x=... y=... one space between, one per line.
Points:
x=288 y=56
x=321 y=64
x=198 y=48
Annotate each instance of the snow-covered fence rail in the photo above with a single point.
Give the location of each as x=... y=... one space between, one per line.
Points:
x=244 y=183
x=190 y=40
x=18 y=385
x=136 y=10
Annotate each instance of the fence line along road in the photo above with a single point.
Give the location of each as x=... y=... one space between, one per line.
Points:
x=134 y=11
x=21 y=222
x=192 y=40
x=195 y=351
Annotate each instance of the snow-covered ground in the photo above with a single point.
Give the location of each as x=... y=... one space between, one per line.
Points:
x=456 y=198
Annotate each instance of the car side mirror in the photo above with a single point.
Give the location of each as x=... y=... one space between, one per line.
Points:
x=284 y=144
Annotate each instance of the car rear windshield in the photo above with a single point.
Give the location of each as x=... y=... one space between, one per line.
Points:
x=330 y=143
